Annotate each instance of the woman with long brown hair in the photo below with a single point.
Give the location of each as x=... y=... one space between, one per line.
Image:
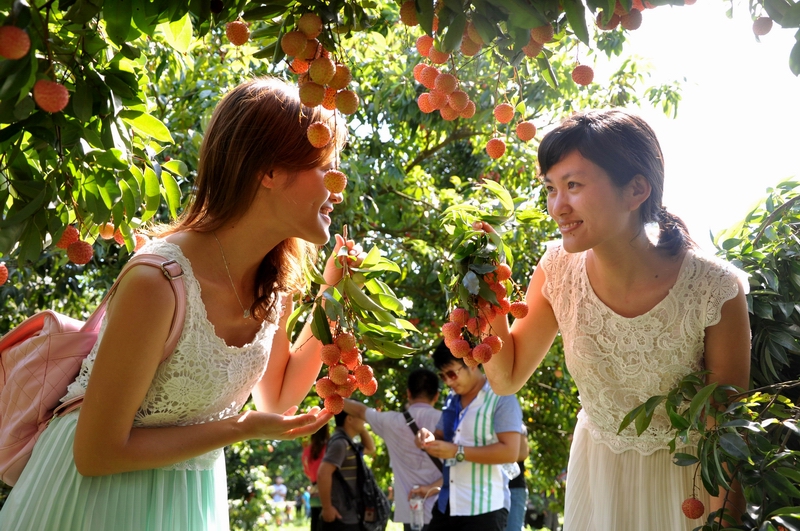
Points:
x=145 y=449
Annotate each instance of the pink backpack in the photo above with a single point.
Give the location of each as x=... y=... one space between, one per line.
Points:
x=43 y=355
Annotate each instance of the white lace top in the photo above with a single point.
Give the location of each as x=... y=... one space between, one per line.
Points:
x=204 y=379
x=619 y=362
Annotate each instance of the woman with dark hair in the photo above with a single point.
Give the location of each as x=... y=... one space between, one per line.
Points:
x=636 y=316
x=145 y=449
x=312 y=457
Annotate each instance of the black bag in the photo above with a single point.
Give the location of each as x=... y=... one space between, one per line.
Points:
x=374 y=509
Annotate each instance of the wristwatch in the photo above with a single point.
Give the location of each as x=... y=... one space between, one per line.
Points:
x=460 y=453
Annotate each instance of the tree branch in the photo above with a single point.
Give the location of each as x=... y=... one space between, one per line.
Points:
x=458 y=134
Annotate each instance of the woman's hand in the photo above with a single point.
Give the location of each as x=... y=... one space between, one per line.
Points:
x=283 y=427
x=344 y=251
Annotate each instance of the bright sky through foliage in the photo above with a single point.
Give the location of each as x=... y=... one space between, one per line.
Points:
x=738 y=126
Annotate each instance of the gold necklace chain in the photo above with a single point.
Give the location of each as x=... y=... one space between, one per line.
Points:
x=245 y=311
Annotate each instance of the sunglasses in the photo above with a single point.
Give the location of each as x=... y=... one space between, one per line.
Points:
x=450 y=374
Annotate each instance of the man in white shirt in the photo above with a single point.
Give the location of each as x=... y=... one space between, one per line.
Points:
x=411 y=466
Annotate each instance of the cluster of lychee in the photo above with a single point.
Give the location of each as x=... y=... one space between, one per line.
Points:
x=346 y=372
x=467 y=333
x=80 y=252
x=504 y=113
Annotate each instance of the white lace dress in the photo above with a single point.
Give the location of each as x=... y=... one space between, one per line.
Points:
x=204 y=380
x=624 y=482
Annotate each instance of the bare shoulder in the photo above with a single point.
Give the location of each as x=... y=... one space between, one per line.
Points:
x=144 y=288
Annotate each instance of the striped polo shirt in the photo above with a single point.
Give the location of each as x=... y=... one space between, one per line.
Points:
x=474 y=488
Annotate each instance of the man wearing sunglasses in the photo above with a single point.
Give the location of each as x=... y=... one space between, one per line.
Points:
x=478 y=433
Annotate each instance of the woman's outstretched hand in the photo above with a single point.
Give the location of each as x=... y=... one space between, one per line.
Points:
x=283 y=427
x=345 y=252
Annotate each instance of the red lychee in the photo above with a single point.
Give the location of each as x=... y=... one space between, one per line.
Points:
x=311 y=94
x=693 y=508
x=438 y=57
x=68 y=237
x=141 y=239
x=608 y=26
x=298 y=66
x=50 y=96
x=477 y=325
x=482 y=353
x=533 y=48
x=363 y=374
x=469 y=110
x=459 y=348
x=469 y=47
x=543 y=34
x=424 y=45
x=503 y=306
x=347 y=101
x=448 y=113
x=345 y=341
x=106 y=231
x=325 y=387
x=334 y=404
x=238 y=32
x=438 y=99
x=338 y=374
x=408 y=13
x=470 y=362
x=80 y=252
x=330 y=354
x=293 y=43
x=329 y=101
x=583 y=75
x=503 y=272
x=312 y=51
x=335 y=181
x=504 y=113
x=424 y=103
x=494 y=342
x=319 y=134
x=495 y=148
x=526 y=130
x=519 y=309
x=14 y=42
x=347 y=388
x=473 y=34
x=451 y=331
x=499 y=290
x=310 y=24
x=3 y=273
x=351 y=358
x=458 y=100
x=632 y=20
x=341 y=77
x=445 y=83
x=321 y=70
x=459 y=316
x=369 y=388
x=761 y=26
x=428 y=77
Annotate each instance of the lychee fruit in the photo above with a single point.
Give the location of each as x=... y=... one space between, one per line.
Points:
x=238 y=32
x=118 y=237
x=632 y=20
x=347 y=101
x=495 y=148
x=338 y=374
x=526 y=130
x=472 y=33
x=319 y=134
x=330 y=354
x=298 y=66
x=519 y=309
x=106 y=231
x=347 y=388
x=477 y=325
x=459 y=348
x=341 y=77
x=335 y=181
x=80 y=252
x=428 y=77
x=14 y=42
x=608 y=26
x=482 y=353
x=543 y=34
x=293 y=43
x=469 y=48
x=469 y=110
x=321 y=70
x=418 y=72
x=50 y=96
x=533 y=48
x=448 y=113
x=451 y=330
x=310 y=24
x=3 y=274
x=445 y=83
x=68 y=237
x=503 y=306
x=494 y=342
x=761 y=26
x=583 y=75
x=503 y=272
x=334 y=404
x=438 y=57
x=692 y=508
x=329 y=101
x=408 y=13
x=351 y=358
x=312 y=51
x=369 y=388
x=438 y=99
x=363 y=374
x=325 y=387
x=424 y=103
x=311 y=94
x=459 y=316
x=345 y=341
x=504 y=113
x=470 y=362
x=424 y=44
x=141 y=239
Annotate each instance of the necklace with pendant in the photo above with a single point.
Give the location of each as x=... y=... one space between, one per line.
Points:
x=245 y=311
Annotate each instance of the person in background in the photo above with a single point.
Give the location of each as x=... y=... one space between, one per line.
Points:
x=410 y=465
x=478 y=433
x=337 y=476
x=518 y=489
x=311 y=458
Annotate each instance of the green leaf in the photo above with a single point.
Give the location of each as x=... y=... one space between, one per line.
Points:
x=700 y=400
x=547 y=71
x=388 y=348
x=506 y=201
x=734 y=446
x=576 y=15
x=292 y=321
x=683 y=459
x=178 y=34
x=127 y=199
x=117 y=14
x=173 y=193
x=177 y=167
x=152 y=193
x=149 y=125
x=455 y=31
x=319 y=324
x=632 y=414
x=358 y=297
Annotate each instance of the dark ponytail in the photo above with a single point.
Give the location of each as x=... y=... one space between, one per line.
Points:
x=673 y=235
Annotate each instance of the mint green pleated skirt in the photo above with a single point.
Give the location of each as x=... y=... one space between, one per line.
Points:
x=52 y=496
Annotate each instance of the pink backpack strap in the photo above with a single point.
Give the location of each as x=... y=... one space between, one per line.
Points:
x=174 y=273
